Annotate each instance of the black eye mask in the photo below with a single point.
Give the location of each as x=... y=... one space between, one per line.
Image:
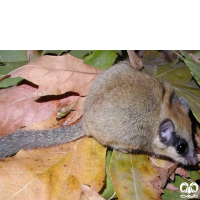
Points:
x=182 y=147
x=169 y=137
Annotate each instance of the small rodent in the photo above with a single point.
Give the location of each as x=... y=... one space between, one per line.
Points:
x=127 y=110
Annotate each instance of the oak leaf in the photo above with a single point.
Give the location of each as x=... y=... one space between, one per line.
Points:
x=64 y=76
x=55 y=75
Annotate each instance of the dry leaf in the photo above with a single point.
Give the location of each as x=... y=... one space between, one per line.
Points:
x=77 y=111
x=182 y=172
x=171 y=187
x=51 y=75
x=56 y=172
x=31 y=54
x=53 y=173
x=19 y=108
x=164 y=168
x=88 y=194
x=57 y=75
x=163 y=175
x=135 y=61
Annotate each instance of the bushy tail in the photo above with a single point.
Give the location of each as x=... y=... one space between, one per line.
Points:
x=34 y=139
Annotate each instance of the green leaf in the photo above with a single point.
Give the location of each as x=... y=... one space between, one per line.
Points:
x=173 y=195
x=79 y=53
x=10 y=82
x=8 y=67
x=108 y=191
x=12 y=56
x=152 y=58
x=53 y=52
x=101 y=59
x=11 y=60
x=181 y=79
x=197 y=53
x=194 y=175
x=192 y=66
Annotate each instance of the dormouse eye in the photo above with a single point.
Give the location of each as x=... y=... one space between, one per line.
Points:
x=182 y=147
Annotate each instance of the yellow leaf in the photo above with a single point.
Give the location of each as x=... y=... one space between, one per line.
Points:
x=53 y=173
x=133 y=177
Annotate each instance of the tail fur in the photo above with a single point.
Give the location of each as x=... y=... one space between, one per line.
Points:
x=34 y=139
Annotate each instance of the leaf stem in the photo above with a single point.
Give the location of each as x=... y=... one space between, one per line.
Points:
x=178 y=55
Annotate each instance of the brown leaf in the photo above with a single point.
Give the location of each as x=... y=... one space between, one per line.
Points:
x=88 y=194
x=57 y=75
x=31 y=54
x=56 y=172
x=78 y=111
x=171 y=187
x=164 y=168
x=24 y=105
x=19 y=108
x=163 y=175
x=135 y=61
x=182 y=172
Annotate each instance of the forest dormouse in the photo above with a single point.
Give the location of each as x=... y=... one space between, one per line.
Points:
x=127 y=110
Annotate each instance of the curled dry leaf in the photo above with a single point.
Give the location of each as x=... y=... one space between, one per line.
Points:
x=163 y=175
x=62 y=112
x=76 y=113
x=164 y=168
x=135 y=61
x=31 y=54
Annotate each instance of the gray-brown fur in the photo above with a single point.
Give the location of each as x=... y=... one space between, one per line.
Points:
x=127 y=110
x=32 y=139
x=125 y=101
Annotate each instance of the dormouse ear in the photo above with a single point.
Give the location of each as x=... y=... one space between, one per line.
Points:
x=166 y=130
x=184 y=103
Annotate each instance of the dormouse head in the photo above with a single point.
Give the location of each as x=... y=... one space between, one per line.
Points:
x=173 y=144
x=174 y=137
